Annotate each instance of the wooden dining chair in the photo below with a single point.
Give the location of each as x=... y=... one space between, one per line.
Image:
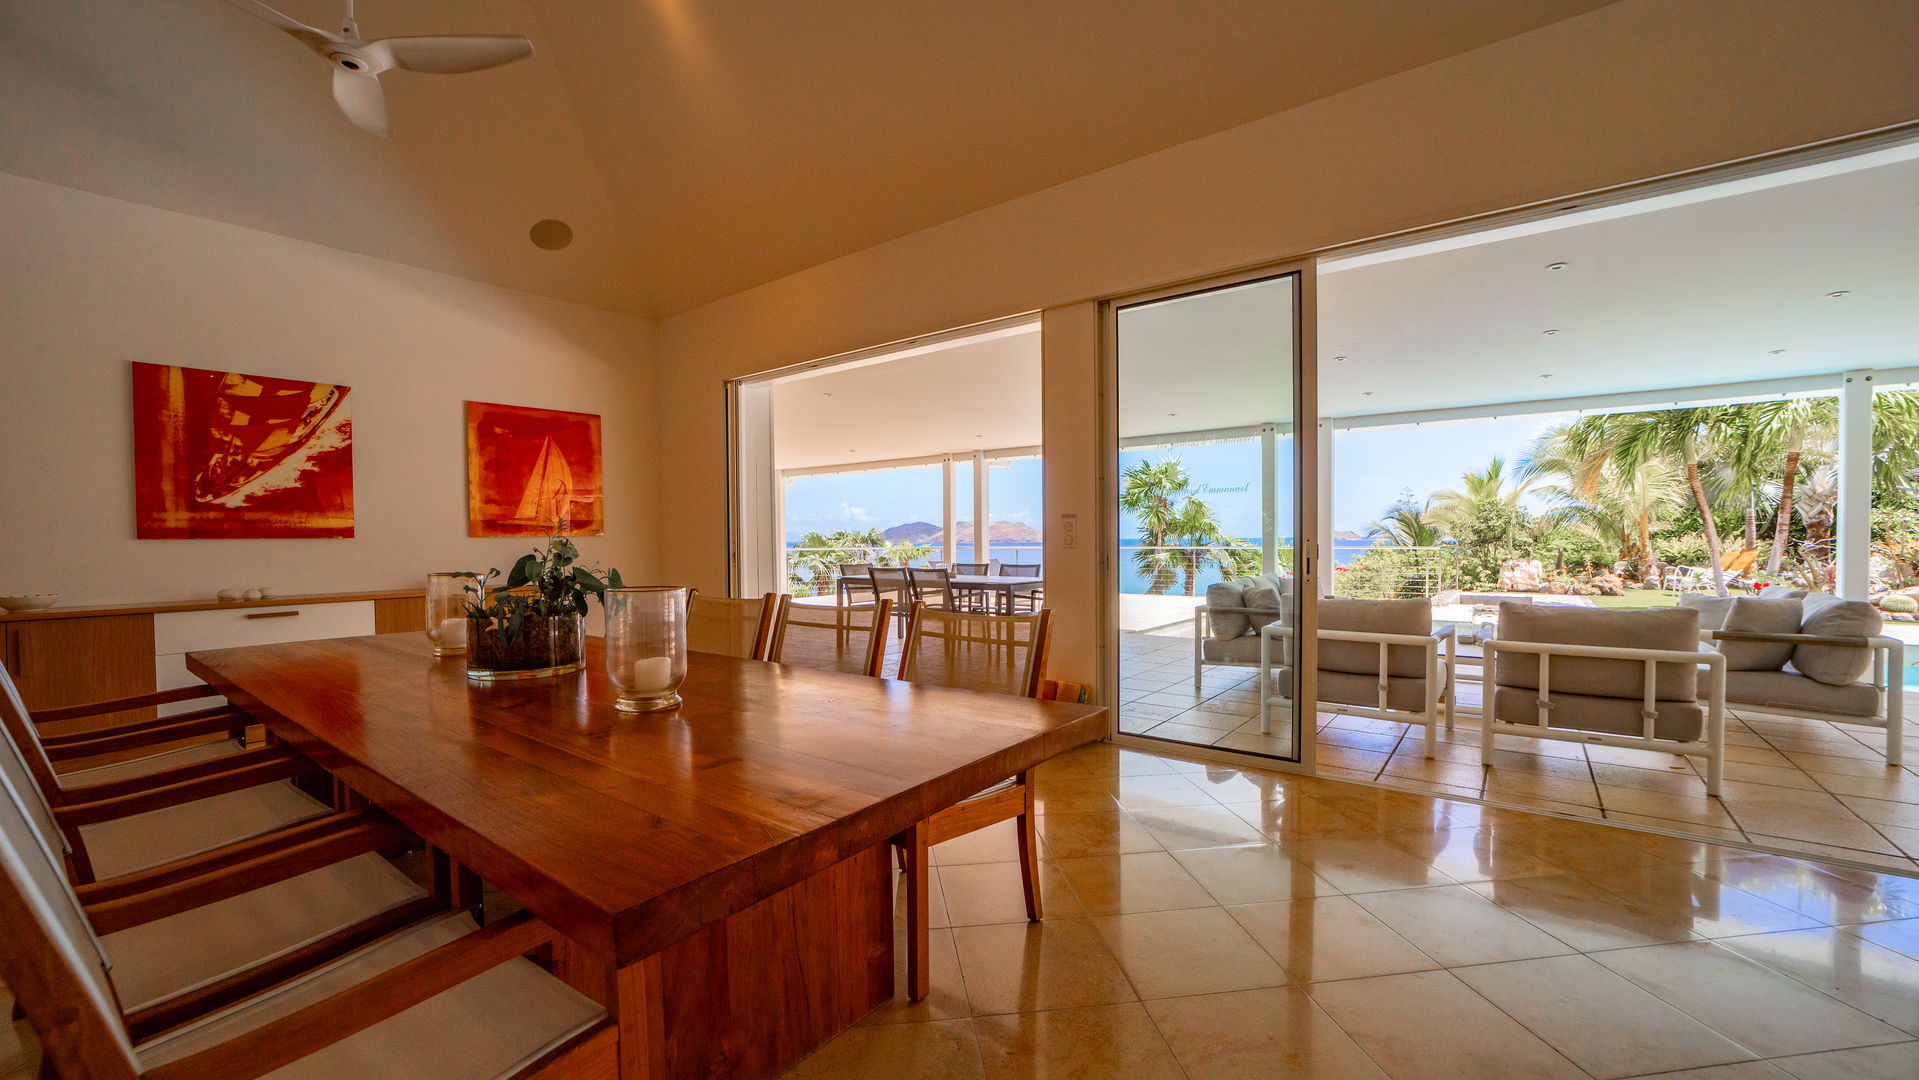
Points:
x=1003 y=654
x=732 y=625
x=441 y=998
x=851 y=639
x=136 y=814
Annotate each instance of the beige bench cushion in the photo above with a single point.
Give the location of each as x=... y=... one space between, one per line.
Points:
x=1757 y=615
x=1674 y=628
x=1374 y=617
x=1791 y=690
x=1344 y=688
x=1836 y=665
x=156 y=960
x=493 y=1024
x=143 y=840
x=1680 y=721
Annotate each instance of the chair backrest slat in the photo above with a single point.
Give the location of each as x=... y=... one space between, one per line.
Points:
x=1018 y=569
x=973 y=569
x=974 y=651
x=849 y=639
x=732 y=625
x=49 y=956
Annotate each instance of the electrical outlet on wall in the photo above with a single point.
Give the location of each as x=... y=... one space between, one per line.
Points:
x=1069 y=529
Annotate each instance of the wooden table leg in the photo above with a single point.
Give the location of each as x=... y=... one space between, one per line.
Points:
x=918 y=914
x=631 y=996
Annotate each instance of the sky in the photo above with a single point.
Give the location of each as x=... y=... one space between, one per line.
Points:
x=1371 y=469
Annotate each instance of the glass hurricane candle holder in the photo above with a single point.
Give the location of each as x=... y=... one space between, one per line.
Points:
x=646 y=646
x=446 y=613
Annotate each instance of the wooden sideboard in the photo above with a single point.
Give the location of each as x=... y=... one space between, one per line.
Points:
x=76 y=655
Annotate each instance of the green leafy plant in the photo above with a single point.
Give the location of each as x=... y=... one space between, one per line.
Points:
x=545 y=582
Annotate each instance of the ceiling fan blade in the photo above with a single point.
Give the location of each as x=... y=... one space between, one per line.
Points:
x=311 y=36
x=361 y=100
x=452 y=55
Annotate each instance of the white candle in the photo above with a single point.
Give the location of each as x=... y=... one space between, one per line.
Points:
x=452 y=634
x=653 y=675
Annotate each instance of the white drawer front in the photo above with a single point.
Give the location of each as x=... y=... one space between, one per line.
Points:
x=193 y=631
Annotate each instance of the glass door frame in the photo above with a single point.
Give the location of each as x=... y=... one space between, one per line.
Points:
x=1310 y=503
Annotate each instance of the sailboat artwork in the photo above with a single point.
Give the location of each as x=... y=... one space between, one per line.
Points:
x=532 y=471
x=222 y=454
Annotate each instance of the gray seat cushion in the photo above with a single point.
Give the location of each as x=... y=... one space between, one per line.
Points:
x=1240 y=650
x=1343 y=688
x=1675 y=629
x=1224 y=619
x=1374 y=617
x=1756 y=615
x=1791 y=690
x=1829 y=616
x=1682 y=721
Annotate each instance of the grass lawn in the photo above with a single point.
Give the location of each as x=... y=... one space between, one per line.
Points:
x=1638 y=598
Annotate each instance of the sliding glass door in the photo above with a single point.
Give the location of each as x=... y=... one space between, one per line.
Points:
x=1216 y=523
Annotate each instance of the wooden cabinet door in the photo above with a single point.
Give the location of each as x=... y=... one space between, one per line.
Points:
x=61 y=662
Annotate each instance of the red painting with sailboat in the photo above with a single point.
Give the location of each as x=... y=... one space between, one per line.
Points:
x=528 y=469
x=226 y=455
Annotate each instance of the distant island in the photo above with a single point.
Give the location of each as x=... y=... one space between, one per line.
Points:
x=1343 y=534
x=925 y=532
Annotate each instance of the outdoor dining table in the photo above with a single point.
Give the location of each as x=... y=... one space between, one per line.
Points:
x=720 y=873
x=1001 y=589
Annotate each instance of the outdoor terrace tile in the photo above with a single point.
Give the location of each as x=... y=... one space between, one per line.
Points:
x=1715 y=832
x=1695 y=808
x=1899 y=1061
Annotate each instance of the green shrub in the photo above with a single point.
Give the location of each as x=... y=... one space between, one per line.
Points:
x=1898 y=604
x=1681 y=549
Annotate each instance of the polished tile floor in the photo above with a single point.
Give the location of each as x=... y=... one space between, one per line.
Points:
x=1204 y=921
x=1805 y=786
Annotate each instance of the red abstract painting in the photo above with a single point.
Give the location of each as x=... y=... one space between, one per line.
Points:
x=219 y=454
x=528 y=469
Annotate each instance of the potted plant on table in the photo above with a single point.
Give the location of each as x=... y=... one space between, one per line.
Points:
x=533 y=625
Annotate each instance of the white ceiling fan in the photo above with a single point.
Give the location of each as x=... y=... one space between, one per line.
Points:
x=358 y=63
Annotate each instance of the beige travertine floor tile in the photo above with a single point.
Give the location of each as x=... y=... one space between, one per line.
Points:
x=1091 y=1043
x=1297 y=815
x=1056 y=964
x=1744 y=1070
x=1876 y=981
x=1812 y=827
x=1182 y=953
x=1251 y=873
x=1328 y=938
x=1119 y=884
x=1896 y=1062
x=946 y=995
x=978 y=893
x=1472 y=854
x=935 y=900
x=1157 y=792
x=1455 y=925
x=1074 y=796
x=1100 y=832
x=1585 y=916
x=1883 y=811
x=1798 y=886
x=997 y=842
x=943 y=1048
x=1880 y=784
x=1900 y=937
x=1606 y=1025
x=1236 y=786
x=1712 y=908
x=1197 y=826
x=1760 y=1009
x=1362 y=864
x=1430 y=1025
x=1278 y=1033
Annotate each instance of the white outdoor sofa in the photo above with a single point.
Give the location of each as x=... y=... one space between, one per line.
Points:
x=1378 y=658
x=1618 y=678
x=1809 y=655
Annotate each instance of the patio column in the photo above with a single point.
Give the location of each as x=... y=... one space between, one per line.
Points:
x=1853 y=557
x=1268 y=499
x=949 y=526
x=982 y=541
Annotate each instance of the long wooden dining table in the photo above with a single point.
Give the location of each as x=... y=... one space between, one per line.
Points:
x=721 y=872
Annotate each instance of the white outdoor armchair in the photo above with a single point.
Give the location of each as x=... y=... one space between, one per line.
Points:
x=1378 y=658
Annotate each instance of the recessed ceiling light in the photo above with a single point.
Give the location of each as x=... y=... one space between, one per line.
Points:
x=826 y=395
x=1549 y=333
x=1555 y=266
x=1339 y=359
x=1545 y=376
x=1775 y=352
x=1365 y=393
x=550 y=234
x=1837 y=295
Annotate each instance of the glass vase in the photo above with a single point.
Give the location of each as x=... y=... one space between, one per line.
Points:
x=446 y=613
x=646 y=646
x=541 y=646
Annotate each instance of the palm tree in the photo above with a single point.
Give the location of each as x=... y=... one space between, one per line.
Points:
x=1476 y=489
x=1406 y=524
x=1147 y=491
x=1203 y=540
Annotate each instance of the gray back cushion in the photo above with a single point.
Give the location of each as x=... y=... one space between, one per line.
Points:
x=1673 y=628
x=1829 y=616
x=1374 y=617
x=1712 y=609
x=1222 y=598
x=1262 y=599
x=1758 y=615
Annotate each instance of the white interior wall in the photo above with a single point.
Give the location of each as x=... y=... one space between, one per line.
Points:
x=91 y=283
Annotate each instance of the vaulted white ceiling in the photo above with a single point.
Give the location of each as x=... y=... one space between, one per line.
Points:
x=697 y=147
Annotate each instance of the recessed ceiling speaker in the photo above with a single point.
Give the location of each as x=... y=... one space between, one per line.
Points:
x=551 y=234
